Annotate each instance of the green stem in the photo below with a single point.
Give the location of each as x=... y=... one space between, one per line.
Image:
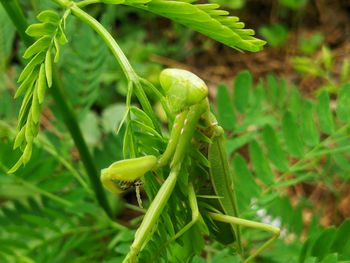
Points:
x=117 y=52
x=74 y=129
x=18 y=19
x=15 y=13
x=87 y=2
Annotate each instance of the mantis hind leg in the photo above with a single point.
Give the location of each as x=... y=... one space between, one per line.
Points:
x=275 y=231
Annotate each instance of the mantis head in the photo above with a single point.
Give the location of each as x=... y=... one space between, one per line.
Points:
x=122 y=174
x=183 y=88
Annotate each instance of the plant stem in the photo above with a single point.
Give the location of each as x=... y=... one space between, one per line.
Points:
x=15 y=12
x=74 y=129
x=87 y=2
x=118 y=53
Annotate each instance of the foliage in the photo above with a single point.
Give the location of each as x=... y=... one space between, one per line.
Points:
x=323 y=67
x=277 y=139
x=290 y=140
x=208 y=20
x=275 y=34
x=309 y=45
x=293 y=4
x=36 y=77
x=234 y=4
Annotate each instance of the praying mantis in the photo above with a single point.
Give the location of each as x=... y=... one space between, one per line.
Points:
x=194 y=126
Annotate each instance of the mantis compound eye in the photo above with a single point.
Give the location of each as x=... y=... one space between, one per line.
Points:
x=121 y=175
x=183 y=88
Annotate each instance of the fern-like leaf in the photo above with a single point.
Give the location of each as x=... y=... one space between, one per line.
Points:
x=206 y=19
x=36 y=77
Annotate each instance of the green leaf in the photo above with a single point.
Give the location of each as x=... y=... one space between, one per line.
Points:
x=327 y=58
x=291 y=135
x=298 y=179
x=42 y=29
x=16 y=166
x=36 y=109
x=41 y=86
x=332 y=258
x=38 y=59
x=27 y=83
x=48 y=16
x=112 y=116
x=48 y=68
x=275 y=152
x=294 y=102
x=324 y=112
x=276 y=34
x=39 y=45
x=19 y=138
x=309 y=130
x=90 y=128
x=260 y=163
x=226 y=113
x=208 y=20
x=245 y=184
x=239 y=141
x=341 y=240
x=142 y=116
x=343 y=103
x=146 y=129
x=272 y=89
x=27 y=153
x=242 y=88
x=57 y=48
x=323 y=243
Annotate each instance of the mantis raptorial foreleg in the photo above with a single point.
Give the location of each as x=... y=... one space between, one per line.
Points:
x=275 y=231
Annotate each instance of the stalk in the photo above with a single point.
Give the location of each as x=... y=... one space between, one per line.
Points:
x=16 y=15
x=117 y=52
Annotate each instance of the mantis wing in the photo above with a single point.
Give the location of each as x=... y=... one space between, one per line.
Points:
x=222 y=180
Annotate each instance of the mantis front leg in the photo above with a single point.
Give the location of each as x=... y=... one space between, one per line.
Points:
x=154 y=211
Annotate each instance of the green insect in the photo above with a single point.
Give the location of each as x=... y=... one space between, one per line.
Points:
x=194 y=126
